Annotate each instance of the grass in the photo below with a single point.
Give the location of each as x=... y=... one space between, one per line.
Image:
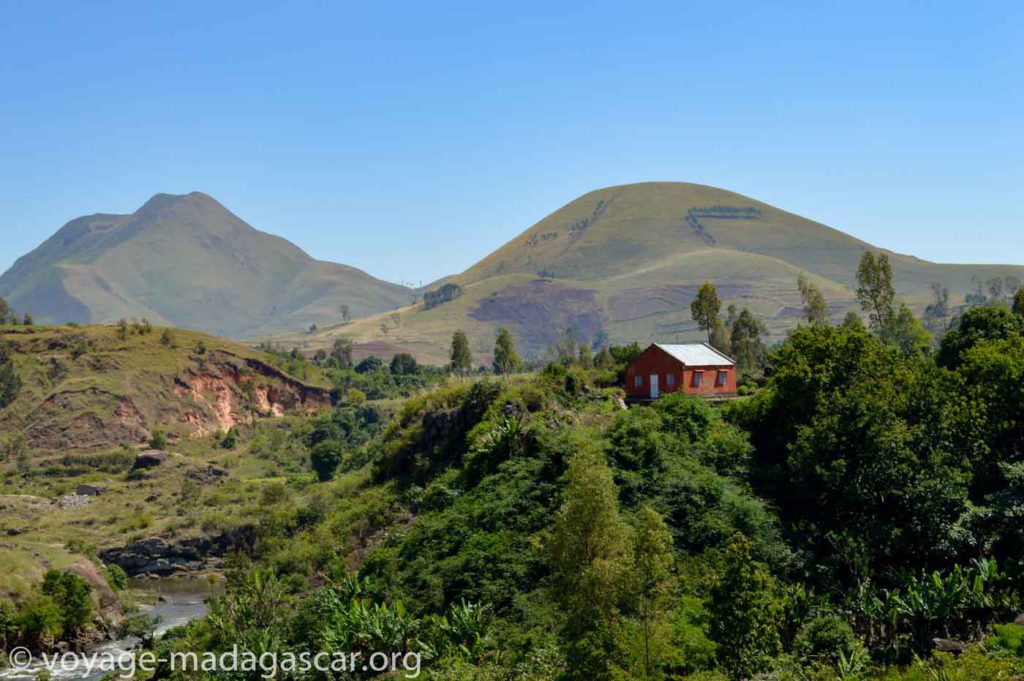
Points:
x=632 y=249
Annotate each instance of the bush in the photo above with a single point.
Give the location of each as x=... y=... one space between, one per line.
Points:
x=116 y=577
x=824 y=638
x=325 y=459
x=158 y=440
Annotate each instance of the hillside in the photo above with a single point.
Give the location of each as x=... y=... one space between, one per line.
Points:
x=624 y=262
x=89 y=388
x=187 y=261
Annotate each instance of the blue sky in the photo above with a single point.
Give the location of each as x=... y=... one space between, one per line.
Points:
x=412 y=138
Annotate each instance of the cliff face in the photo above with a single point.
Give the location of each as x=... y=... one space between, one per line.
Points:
x=91 y=388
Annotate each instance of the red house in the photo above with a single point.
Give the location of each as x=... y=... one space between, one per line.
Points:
x=694 y=368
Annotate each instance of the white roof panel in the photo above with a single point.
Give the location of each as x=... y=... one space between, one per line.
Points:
x=696 y=354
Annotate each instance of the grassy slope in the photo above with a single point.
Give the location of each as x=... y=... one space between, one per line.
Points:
x=187 y=261
x=632 y=247
x=119 y=391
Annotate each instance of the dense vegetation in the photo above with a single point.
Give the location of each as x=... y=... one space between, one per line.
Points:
x=858 y=511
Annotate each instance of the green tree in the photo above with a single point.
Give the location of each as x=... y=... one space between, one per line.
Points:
x=167 y=339
x=909 y=333
x=590 y=548
x=325 y=459
x=705 y=307
x=815 y=306
x=122 y=329
x=974 y=326
x=341 y=353
x=746 y=615
x=746 y=345
x=506 y=359
x=19 y=451
x=1018 y=302
x=27 y=319
x=404 y=364
x=585 y=358
x=604 y=359
x=71 y=593
x=652 y=565
x=460 y=355
x=937 y=312
x=345 y=315
x=876 y=293
x=6 y=313
x=10 y=383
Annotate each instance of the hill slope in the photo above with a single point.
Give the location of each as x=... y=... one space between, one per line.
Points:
x=624 y=263
x=187 y=261
x=88 y=388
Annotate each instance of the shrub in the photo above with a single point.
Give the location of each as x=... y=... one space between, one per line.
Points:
x=824 y=638
x=325 y=459
x=158 y=440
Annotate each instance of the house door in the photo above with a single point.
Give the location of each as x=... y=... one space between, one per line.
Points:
x=654 y=386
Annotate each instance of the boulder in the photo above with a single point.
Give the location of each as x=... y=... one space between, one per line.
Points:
x=1019 y=620
x=946 y=645
x=150 y=458
x=89 y=491
x=207 y=475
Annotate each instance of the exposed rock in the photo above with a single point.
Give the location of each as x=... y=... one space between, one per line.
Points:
x=73 y=501
x=90 y=573
x=159 y=557
x=150 y=458
x=14 y=532
x=89 y=491
x=208 y=475
x=1019 y=620
x=945 y=645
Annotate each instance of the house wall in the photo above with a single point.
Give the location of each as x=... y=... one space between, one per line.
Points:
x=653 y=360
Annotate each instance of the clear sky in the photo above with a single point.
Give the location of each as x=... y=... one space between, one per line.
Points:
x=412 y=138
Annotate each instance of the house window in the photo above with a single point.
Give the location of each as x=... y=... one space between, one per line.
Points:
x=723 y=378
x=638 y=381
x=670 y=380
x=698 y=376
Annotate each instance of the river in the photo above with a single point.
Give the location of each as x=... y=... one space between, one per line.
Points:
x=179 y=601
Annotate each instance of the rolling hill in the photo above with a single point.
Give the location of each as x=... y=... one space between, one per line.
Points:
x=623 y=263
x=187 y=261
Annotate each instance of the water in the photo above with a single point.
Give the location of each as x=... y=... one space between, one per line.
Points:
x=180 y=600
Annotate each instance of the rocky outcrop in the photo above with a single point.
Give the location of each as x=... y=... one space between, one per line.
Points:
x=161 y=557
x=151 y=458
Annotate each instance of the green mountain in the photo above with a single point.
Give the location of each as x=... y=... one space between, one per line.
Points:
x=624 y=263
x=187 y=261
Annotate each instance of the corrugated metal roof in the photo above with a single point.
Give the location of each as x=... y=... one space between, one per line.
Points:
x=696 y=354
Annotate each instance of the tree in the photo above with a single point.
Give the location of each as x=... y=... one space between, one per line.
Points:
x=909 y=334
x=71 y=593
x=506 y=359
x=876 y=293
x=341 y=353
x=604 y=359
x=976 y=325
x=345 y=317
x=404 y=364
x=460 y=355
x=6 y=312
x=652 y=565
x=589 y=555
x=19 y=451
x=122 y=329
x=746 y=345
x=325 y=459
x=585 y=358
x=566 y=348
x=815 y=306
x=936 y=313
x=249 y=398
x=705 y=307
x=158 y=440
x=10 y=382
x=28 y=320
x=1018 y=302
x=167 y=339
x=745 y=613
x=369 y=365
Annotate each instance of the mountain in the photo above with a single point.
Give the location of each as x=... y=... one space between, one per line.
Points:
x=187 y=261
x=623 y=263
